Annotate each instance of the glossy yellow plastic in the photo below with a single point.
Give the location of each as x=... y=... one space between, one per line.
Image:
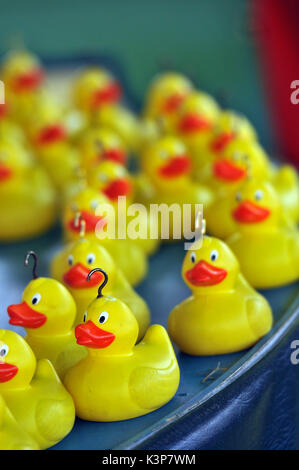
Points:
x=72 y=265
x=224 y=314
x=27 y=196
x=48 y=313
x=266 y=241
x=165 y=95
x=286 y=182
x=92 y=205
x=33 y=392
x=12 y=436
x=119 y=380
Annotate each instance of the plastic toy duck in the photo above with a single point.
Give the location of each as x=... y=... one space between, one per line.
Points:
x=23 y=76
x=48 y=313
x=165 y=95
x=197 y=117
x=9 y=130
x=119 y=380
x=167 y=166
x=33 y=392
x=72 y=266
x=101 y=144
x=286 y=182
x=95 y=209
x=266 y=241
x=224 y=313
x=12 y=436
x=27 y=196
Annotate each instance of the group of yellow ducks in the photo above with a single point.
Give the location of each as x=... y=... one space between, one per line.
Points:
x=89 y=349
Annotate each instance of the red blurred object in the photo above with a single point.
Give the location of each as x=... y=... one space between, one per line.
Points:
x=275 y=24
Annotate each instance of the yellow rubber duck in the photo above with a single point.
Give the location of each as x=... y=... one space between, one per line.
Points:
x=23 y=76
x=48 y=313
x=286 y=182
x=119 y=380
x=167 y=167
x=27 y=196
x=197 y=117
x=224 y=313
x=101 y=144
x=72 y=266
x=266 y=242
x=12 y=436
x=33 y=392
x=9 y=130
x=95 y=209
x=164 y=97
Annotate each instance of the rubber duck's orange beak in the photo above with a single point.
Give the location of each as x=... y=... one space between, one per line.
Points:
x=23 y=315
x=5 y=172
x=91 y=222
x=51 y=134
x=118 y=187
x=204 y=274
x=115 y=155
x=249 y=213
x=228 y=171
x=219 y=143
x=88 y=334
x=29 y=81
x=176 y=166
x=76 y=277
x=7 y=371
x=108 y=95
x=193 y=123
x=173 y=102
x=3 y=110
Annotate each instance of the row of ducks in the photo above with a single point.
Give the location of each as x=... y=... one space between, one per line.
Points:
x=107 y=376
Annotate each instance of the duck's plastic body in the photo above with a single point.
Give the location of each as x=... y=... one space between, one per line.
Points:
x=286 y=182
x=48 y=313
x=266 y=241
x=118 y=380
x=98 y=214
x=33 y=392
x=27 y=196
x=72 y=265
x=224 y=314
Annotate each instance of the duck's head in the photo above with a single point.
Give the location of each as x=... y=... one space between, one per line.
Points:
x=240 y=158
x=88 y=204
x=109 y=326
x=95 y=88
x=101 y=144
x=228 y=126
x=165 y=95
x=14 y=161
x=77 y=259
x=112 y=179
x=211 y=268
x=47 y=307
x=257 y=205
x=22 y=72
x=17 y=361
x=197 y=116
x=167 y=163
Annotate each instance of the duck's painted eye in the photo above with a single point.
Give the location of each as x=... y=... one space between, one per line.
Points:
x=238 y=197
x=70 y=260
x=94 y=204
x=214 y=255
x=4 y=350
x=236 y=156
x=84 y=317
x=258 y=195
x=103 y=317
x=91 y=258
x=193 y=257
x=74 y=207
x=103 y=177
x=36 y=298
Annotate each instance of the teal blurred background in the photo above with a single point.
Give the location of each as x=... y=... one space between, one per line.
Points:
x=207 y=39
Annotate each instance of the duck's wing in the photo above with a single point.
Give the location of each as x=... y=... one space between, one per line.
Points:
x=45 y=371
x=259 y=315
x=154 y=383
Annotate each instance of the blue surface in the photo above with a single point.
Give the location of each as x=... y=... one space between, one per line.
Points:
x=162 y=289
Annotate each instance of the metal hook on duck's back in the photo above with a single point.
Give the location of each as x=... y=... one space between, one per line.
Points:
x=27 y=257
x=101 y=287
